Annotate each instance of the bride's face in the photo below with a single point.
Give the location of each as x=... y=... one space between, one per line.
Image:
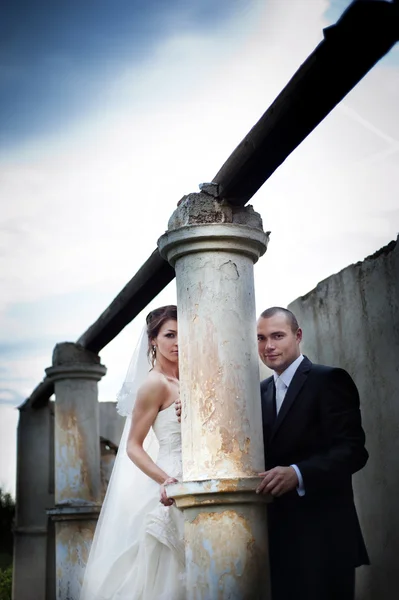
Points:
x=166 y=341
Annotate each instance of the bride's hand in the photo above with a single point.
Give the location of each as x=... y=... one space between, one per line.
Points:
x=164 y=498
x=178 y=409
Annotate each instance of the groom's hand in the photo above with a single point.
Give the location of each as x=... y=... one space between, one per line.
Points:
x=178 y=410
x=278 y=481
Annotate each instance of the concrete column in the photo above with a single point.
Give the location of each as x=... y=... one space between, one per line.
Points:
x=213 y=247
x=78 y=489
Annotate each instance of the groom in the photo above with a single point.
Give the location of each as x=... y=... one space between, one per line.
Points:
x=314 y=442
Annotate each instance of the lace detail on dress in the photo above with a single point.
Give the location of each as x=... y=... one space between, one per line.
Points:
x=168 y=432
x=168 y=528
x=166 y=523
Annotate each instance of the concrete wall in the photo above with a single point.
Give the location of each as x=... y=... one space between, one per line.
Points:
x=351 y=320
x=111 y=428
x=111 y=423
x=35 y=493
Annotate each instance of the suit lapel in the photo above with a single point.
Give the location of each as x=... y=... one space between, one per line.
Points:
x=294 y=388
x=268 y=398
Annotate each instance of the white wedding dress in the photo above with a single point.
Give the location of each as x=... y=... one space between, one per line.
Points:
x=147 y=561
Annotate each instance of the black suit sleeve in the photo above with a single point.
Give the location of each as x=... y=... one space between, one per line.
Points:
x=344 y=435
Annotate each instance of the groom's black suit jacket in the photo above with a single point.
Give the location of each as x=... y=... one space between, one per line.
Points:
x=319 y=429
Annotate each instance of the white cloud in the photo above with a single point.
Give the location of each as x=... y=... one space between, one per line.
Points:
x=75 y=209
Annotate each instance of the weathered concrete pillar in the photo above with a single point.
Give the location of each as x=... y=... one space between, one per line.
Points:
x=78 y=490
x=213 y=247
x=34 y=496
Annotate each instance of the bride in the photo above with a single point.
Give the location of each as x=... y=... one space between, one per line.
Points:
x=138 y=550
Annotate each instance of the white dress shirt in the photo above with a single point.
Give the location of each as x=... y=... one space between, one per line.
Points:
x=282 y=383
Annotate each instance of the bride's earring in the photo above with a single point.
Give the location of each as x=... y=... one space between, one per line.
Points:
x=154 y=354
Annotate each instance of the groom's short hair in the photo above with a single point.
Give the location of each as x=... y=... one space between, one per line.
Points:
x=274 y=310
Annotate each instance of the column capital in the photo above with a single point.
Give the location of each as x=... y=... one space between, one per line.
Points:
x=204 y=207
x=213 y=237
x=202 y=223
x=72 y=361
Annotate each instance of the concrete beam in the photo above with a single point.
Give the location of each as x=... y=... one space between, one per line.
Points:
x=152 y=278
x=366 y=31
x=40 y=395
x=363 y=35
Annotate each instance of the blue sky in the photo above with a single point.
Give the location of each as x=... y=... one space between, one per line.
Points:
x=57 y=56
x=110 y=112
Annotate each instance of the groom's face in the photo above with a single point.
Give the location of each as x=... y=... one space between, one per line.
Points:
x=278 y=344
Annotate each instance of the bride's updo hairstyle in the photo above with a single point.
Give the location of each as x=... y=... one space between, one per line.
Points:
x=155 y=319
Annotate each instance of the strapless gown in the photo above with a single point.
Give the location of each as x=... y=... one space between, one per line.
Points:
x=151 y=566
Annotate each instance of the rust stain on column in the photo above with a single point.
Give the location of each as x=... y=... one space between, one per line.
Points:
x=219 y=570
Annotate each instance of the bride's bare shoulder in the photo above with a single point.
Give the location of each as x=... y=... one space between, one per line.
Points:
x=153 y=388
